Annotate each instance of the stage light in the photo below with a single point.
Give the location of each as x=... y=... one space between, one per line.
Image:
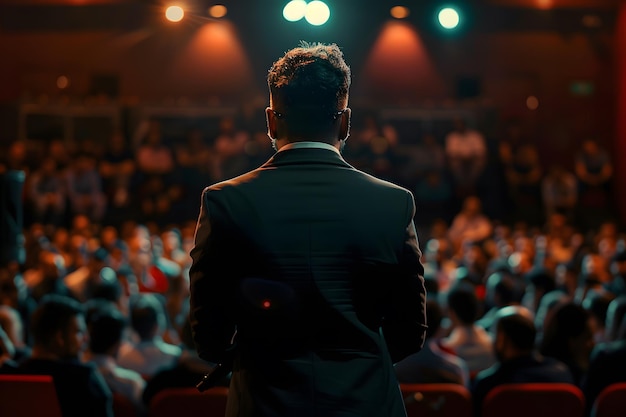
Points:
x=448 y=18
x=294 y=10
x=174 y=13
x=317 y=13
x=399 y=12
x=218 y=11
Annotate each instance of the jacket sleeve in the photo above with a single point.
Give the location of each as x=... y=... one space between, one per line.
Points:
x=211 y=293
x=404 y=324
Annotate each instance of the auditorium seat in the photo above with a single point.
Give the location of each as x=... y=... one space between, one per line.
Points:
x=123 y=407
x=189 y=402
x=436 y=400
x=534 y=400
x=28 y=395
x=611 y=402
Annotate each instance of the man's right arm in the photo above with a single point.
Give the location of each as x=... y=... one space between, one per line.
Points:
x=211 y=270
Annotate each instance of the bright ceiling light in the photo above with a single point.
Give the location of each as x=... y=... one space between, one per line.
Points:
x=174 y=13
x=449 y=18
x=294 y=10
x=317 y=13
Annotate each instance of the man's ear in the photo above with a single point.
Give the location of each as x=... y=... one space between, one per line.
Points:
x=270 y=117
x=344 y=130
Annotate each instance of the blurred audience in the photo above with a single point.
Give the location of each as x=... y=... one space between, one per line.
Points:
x=115 y=236
x=60 y=336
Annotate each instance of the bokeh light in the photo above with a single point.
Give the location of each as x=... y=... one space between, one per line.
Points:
x=218 y=11
x=294 y=10
x=63 y=82
x=448 y=18
x=532 y=103
x=317 y=13
x=174 y=13
x=400 y=12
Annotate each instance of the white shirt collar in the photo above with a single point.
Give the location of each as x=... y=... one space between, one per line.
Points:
x=309 y=145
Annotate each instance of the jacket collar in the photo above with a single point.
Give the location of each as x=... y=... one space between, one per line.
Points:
x=304 y=155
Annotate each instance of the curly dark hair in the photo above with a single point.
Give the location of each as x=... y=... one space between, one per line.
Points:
x=309 y=84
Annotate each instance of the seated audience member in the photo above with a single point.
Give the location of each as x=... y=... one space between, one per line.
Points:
x=47 y=193
x=539 y=282
x=187 y=372
x=7 y=352
x=151 y=353
x=84 y=188
x=467 y=340
x=559 y=191
x=431 y=364
x=598 y=305
x=593 y=277
x=106 y=330
x=59 y=332
x=568 y=337
x=85 y=279
x=608 y=366
x=501 y=291
x=470 y=224
x=518 y=362
x=546 y=308
x=11 y=323
x=615 y=318
x=617 y=266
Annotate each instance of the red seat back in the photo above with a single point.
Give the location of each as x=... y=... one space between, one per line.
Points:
x=534 y=400
x=189 y=402
x=611 y=402
x=123 y=407
x=28 y=395
x=436 y=400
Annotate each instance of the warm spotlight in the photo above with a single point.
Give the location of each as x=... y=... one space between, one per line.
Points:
x=294 y=10
x=174 y=13
x=545 y=4
x=448 y=18
x=317 y=13
x=218 y=11
x=400 y=12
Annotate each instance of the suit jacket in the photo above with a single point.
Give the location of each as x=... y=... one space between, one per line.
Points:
x=316 y=266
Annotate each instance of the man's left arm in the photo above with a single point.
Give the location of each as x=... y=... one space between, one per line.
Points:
x=405 y=323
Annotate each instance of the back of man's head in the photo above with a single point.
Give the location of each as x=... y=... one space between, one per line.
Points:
x=147 y=316
x=309 y=85
x=463 y=302
x=517 y=326
x=53 y=315
x=106 y=330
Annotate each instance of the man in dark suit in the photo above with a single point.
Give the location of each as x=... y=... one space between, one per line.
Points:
x=314 y=264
